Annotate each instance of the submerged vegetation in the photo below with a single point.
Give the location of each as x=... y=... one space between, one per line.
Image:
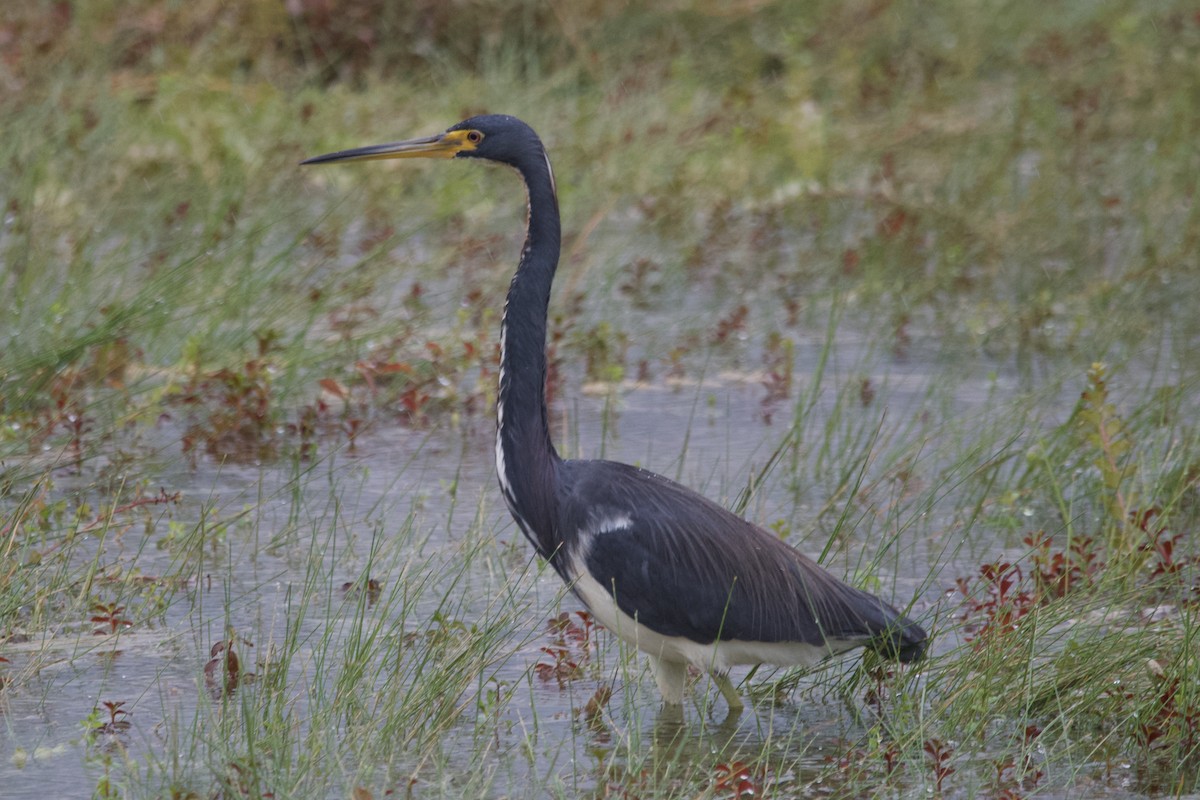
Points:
x=913 y=286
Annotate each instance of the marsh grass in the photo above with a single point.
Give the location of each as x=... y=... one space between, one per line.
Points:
x=338 y=684
x=949 y=255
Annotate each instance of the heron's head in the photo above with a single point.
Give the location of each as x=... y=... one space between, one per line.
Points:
x=495 y=137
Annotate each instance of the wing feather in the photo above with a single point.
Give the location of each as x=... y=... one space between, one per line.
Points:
x=684 y=566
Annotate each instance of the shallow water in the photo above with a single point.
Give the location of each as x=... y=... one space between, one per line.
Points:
x=405 y=505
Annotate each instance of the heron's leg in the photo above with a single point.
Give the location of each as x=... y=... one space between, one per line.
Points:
x=728 y=691
x=669 y=675
x=669 y=725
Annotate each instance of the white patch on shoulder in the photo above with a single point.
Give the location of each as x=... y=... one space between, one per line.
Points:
x=617 y=522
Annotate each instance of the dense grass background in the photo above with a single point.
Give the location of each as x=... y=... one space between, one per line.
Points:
x=955 y=211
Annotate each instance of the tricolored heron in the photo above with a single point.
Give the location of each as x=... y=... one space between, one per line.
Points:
x=669 y=571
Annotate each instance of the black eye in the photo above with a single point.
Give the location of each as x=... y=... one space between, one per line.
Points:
x=474 y=137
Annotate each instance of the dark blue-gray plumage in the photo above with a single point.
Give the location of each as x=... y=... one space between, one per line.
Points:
x=672 y=572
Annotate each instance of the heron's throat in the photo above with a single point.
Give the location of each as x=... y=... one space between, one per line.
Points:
x=525 y=457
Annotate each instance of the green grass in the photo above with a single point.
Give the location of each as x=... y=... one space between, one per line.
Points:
x=905 y=234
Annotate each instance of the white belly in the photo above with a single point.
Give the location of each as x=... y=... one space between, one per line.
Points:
x=717 y=656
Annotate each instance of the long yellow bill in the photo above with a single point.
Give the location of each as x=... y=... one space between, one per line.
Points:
x=445 y=145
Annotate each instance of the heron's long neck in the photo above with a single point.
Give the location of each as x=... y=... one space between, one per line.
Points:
x=525 y=457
